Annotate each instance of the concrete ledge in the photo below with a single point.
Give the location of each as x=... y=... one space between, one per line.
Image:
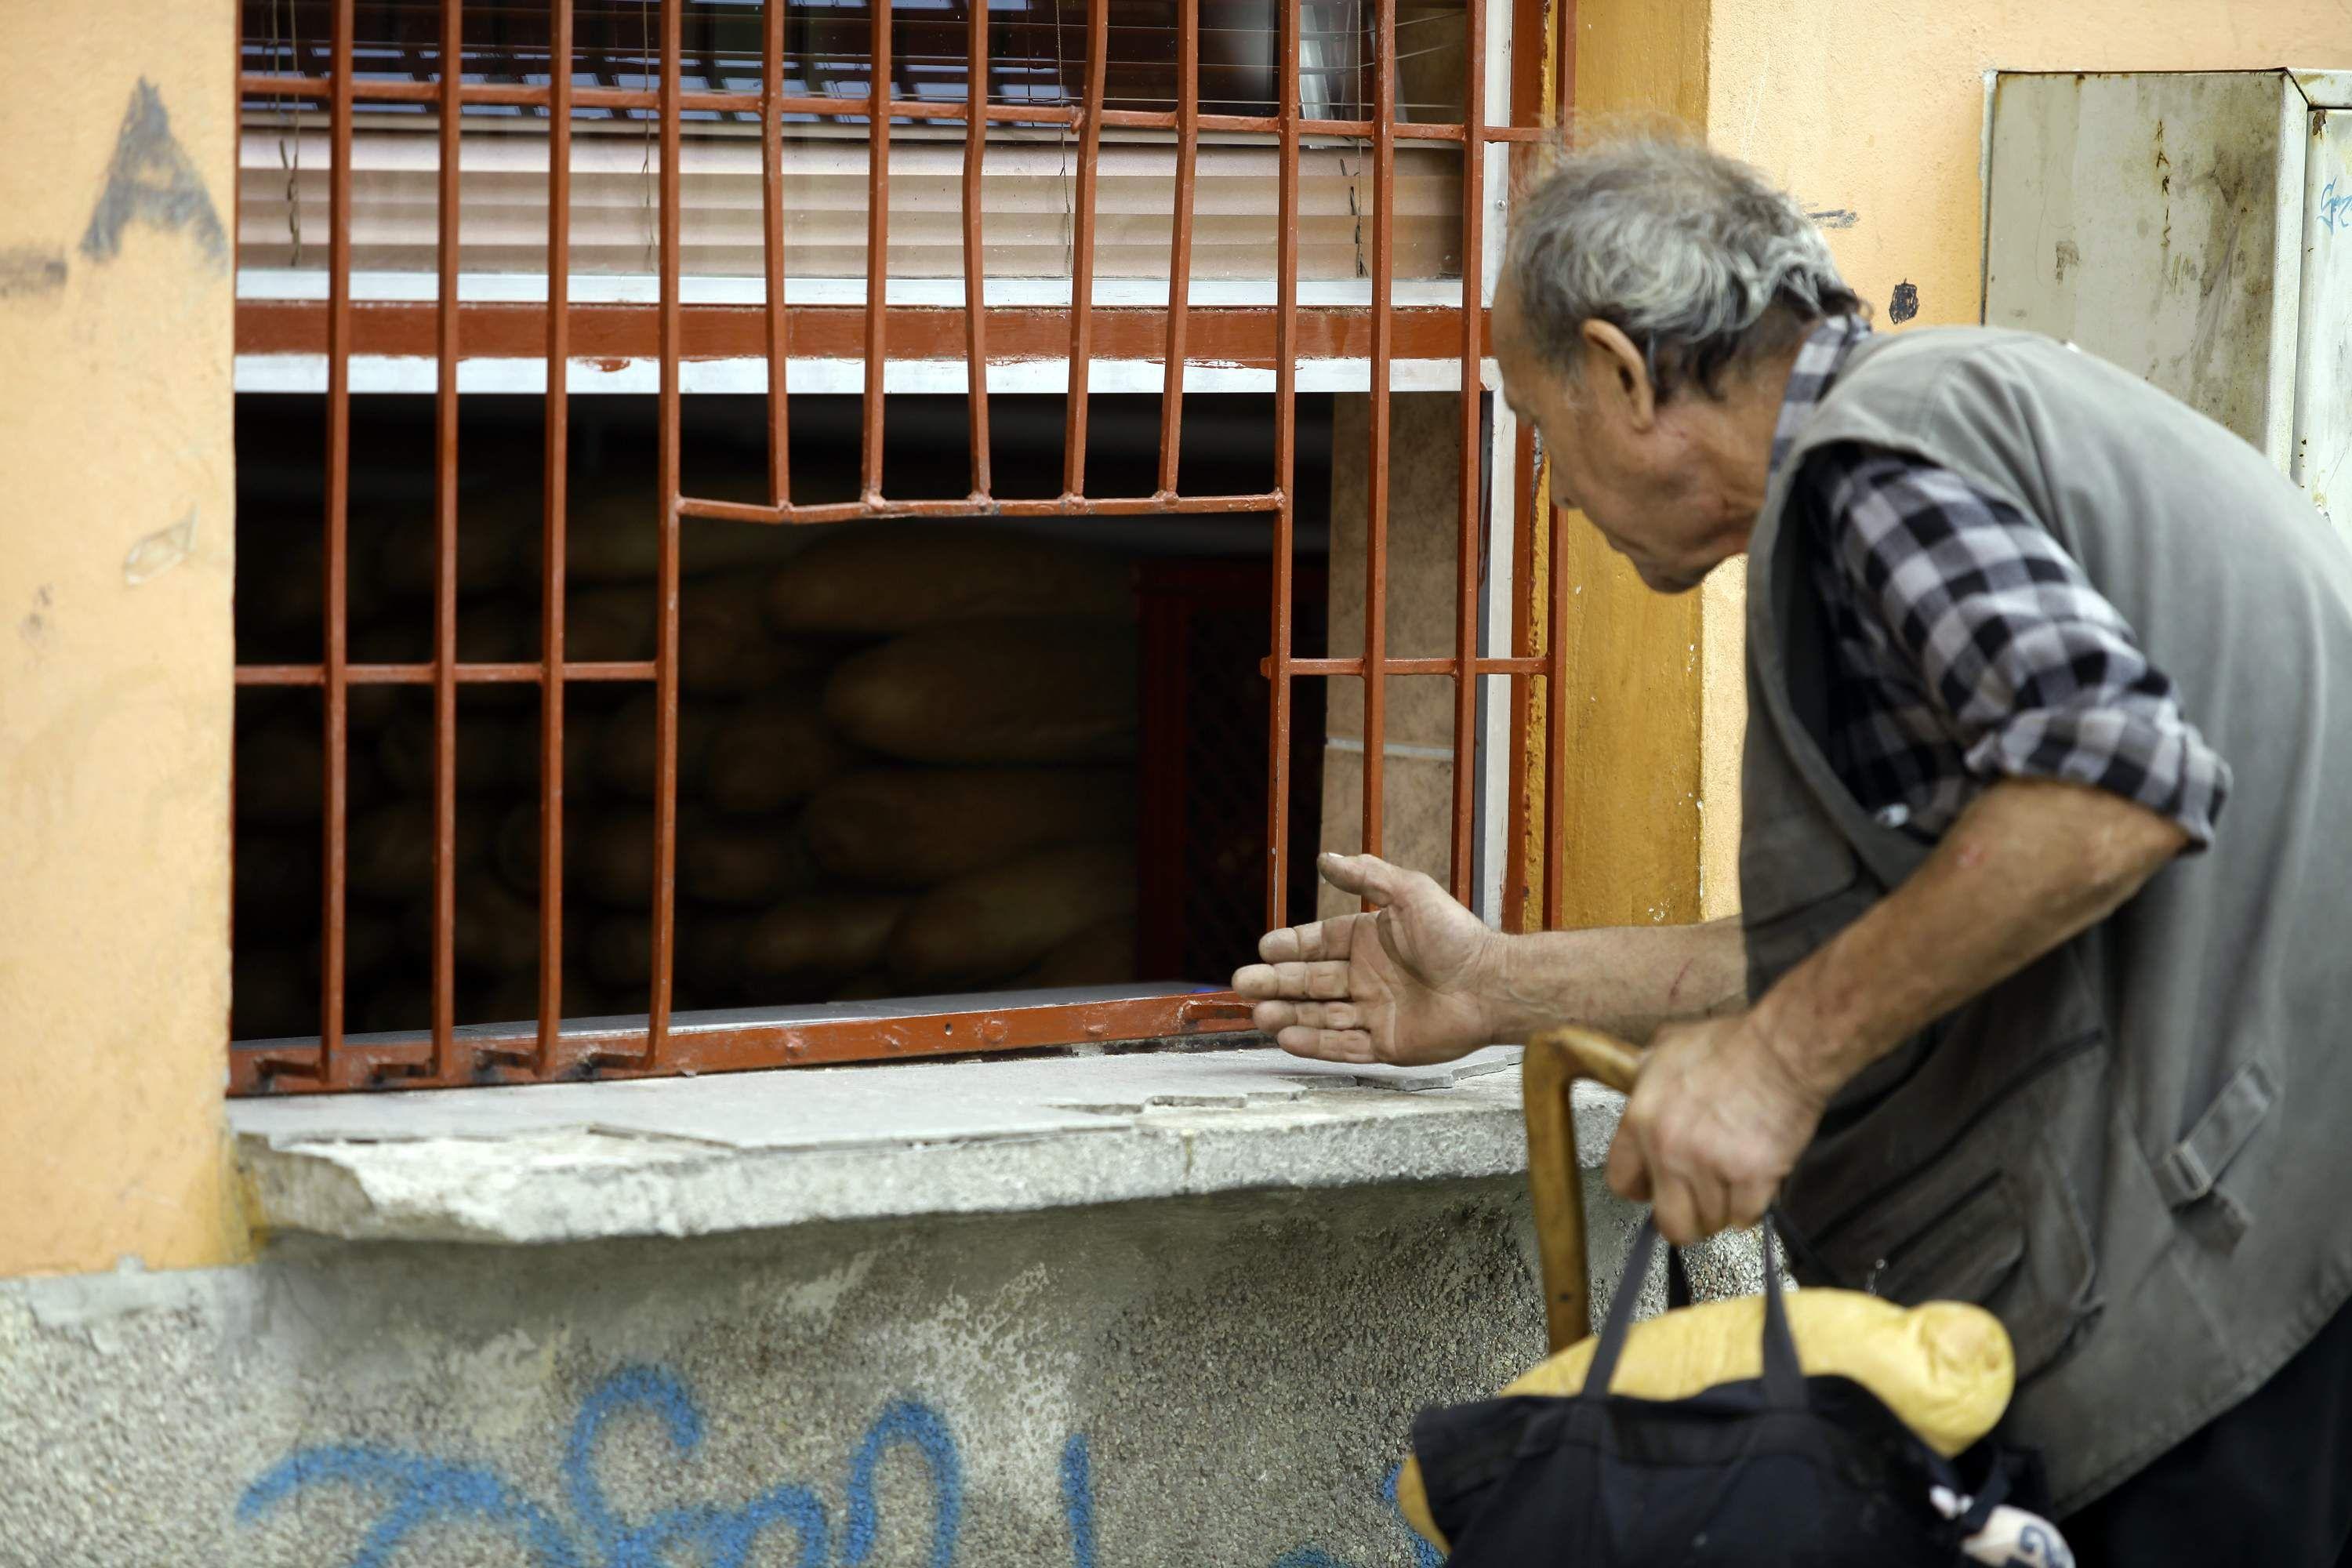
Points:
x=677 y=1157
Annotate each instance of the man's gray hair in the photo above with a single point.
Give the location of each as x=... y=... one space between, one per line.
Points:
x=1690 y=253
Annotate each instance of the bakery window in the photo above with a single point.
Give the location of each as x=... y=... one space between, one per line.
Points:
x=707 y=596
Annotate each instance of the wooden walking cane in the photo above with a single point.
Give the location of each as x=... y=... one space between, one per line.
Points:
x=1555 y=1061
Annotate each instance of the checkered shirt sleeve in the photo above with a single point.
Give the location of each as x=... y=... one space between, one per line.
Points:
x=1974 y=647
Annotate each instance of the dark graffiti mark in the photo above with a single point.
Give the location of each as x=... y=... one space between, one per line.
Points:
x=1904 y=305
x=1835 y=217
x=27 y=269
x=150 y=181
x=34 y=627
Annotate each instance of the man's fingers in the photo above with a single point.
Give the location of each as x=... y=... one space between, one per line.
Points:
x=1322 y=982
x=1676 y=1208
x=1629 y=1173
x=1330 y=1016
x=1749 y=1202
x=1711 y=1206
x=1328 y=939
x=1290 y=944
x=1367 y=876
x=1273 y=1017
x=1326 y=1045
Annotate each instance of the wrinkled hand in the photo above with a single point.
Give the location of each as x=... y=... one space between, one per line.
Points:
x=1406 y=985
x=1715 y=1123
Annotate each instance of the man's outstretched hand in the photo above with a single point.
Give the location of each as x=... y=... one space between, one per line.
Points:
x=1416 y=982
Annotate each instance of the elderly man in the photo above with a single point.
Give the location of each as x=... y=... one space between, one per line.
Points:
x=2008 y=1015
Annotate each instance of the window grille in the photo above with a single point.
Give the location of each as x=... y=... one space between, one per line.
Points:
x=901 y=79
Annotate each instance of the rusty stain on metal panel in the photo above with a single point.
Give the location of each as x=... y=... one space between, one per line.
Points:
x=2137 y=216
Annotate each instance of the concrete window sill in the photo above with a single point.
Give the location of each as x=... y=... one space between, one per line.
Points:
x=760 y=1150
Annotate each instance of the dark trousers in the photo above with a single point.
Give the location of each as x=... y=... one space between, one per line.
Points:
x=2268 y=1484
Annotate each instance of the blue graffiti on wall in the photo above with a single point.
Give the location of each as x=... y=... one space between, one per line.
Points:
x=417 y=1490
x=2334 y=210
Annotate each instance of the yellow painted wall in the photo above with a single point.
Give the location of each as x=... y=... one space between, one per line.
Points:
x=1637 y=663
x=1881 y=113
x=115 y=657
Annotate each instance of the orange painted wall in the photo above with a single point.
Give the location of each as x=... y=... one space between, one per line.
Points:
x=115 y=676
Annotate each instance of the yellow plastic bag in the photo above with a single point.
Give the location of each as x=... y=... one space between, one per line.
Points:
x=1946 y=1368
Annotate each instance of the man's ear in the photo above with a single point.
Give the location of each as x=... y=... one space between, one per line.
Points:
x=1616 y=370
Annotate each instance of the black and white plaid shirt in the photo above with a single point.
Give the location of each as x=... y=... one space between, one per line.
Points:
x=1968 y=645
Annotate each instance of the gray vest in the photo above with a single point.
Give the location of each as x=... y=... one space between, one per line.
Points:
x=2135 y=1151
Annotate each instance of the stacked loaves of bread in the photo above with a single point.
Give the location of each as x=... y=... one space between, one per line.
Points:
x=906 y=760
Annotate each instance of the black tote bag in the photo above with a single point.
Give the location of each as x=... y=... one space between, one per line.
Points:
x=1783 y=1469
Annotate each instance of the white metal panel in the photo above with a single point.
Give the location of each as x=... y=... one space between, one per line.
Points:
x=2154 y=219
x=2323 y=425
x=1498 y=156
x=1498 y=714
x=2286 y=280
x=2325 y=88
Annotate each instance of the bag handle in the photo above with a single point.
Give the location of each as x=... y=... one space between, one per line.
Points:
x=1784 y=1377
x=1678 y=1280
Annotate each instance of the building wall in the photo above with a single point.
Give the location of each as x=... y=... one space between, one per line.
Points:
x=1644 y=841
x=1882 y=125
x=1225 y=1380
x=115 y=663
x=1220 y=1380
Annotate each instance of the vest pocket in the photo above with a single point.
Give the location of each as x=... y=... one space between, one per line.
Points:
x=1967 y=1256
x=1994 y=1221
